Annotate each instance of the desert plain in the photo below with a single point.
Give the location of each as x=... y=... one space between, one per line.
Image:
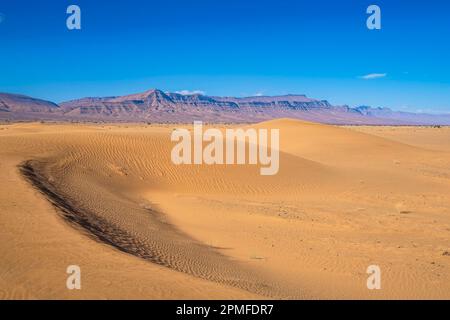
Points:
x=107 y=197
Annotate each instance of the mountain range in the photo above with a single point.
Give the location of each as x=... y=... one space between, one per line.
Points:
x=157 y=106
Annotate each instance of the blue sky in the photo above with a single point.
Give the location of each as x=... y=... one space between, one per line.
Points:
x=234 y=47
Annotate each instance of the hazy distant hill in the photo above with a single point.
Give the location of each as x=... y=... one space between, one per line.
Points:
x=158 y=106
x=15 y=106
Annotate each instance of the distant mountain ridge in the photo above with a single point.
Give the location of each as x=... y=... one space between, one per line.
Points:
x=17 y=103
x=167 y=107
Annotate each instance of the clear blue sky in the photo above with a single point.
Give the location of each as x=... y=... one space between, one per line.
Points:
x=233 y=47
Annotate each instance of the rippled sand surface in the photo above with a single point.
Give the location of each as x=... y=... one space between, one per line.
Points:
x=109 y=199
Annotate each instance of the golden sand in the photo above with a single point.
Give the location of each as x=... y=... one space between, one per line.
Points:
x=109 y=199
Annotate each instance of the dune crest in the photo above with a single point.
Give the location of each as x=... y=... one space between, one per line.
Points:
x=342 y=200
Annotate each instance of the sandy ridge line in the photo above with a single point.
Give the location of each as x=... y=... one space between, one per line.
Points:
x=96 y=227
x=219 y=268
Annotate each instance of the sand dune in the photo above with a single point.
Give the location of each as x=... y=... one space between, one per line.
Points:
x=109 y=199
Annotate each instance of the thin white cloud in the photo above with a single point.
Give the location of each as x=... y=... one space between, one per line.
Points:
x=372 y=76
x=189 y=92
x=258 y=94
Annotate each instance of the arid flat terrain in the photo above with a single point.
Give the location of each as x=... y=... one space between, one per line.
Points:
x=108 y=199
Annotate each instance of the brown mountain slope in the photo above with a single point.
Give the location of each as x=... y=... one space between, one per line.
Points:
x=166 y=107
x=17 y=106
